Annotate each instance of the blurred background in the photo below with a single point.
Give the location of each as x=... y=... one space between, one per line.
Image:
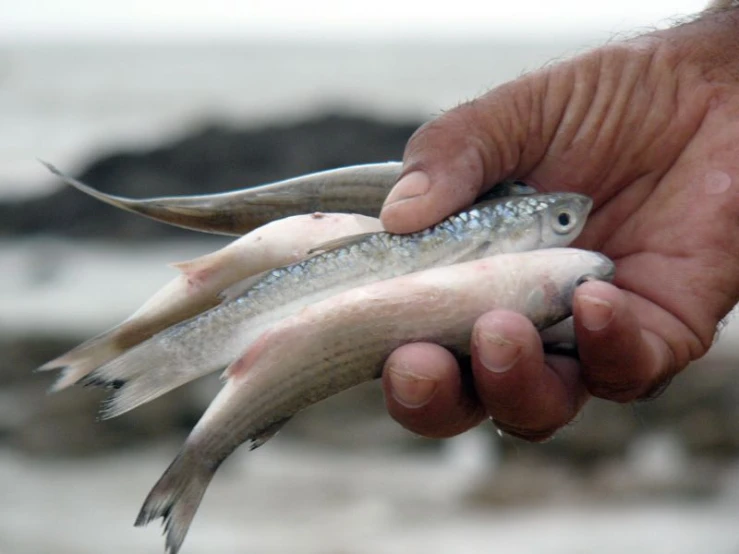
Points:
x=162 y=97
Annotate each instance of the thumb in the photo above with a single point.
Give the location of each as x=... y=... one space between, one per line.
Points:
x=449 y=161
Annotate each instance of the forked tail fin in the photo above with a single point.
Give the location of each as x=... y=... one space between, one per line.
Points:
x=176 y=497
x=143 y=374
x=83 y=360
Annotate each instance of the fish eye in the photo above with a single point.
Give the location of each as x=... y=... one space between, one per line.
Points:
x=564 y=221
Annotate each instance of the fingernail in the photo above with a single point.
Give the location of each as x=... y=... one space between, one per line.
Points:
x=595 y=313
x=496 y=353
x=410 y=186
x=411 y=390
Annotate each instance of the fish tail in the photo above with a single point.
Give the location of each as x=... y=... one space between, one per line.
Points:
x=146 y=357
x=176 y=496
x=117 y=201
x=148 y=371
x=79 y=362
x=139 y=390
x=158 y=209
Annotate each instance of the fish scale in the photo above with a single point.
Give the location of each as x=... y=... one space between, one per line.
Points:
x=214 y=339
x=200 y=282
x=342 y=341
x=457 y=228
x=360 y=189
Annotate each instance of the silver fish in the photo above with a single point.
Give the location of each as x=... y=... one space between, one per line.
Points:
x=212 y=340
x=359 y=189
x=202 y=280
x=343 y=341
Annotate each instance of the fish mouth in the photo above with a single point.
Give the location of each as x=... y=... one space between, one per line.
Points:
x=606 y=271
x=588 y=204
x=585 y=203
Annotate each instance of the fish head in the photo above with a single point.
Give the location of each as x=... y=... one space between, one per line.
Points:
x=565 y=269
x=563 y=218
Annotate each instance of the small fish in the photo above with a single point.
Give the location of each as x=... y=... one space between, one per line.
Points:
x=201 y=281
x=215 y=338
x=359 y=189
x=343 y=341
x=273 y=245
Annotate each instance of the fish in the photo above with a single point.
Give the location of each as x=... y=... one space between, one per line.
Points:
x=198 y=287
x=358 y=189
x=341 y=342
x=212 y=340
x=201 y=281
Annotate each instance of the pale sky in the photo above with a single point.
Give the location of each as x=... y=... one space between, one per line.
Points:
x=39 y=19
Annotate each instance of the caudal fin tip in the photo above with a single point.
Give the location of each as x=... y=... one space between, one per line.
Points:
x=127 y=396
x=145 y=517
x=107 y=412
x=174 y=539
x=175 y=499
x=109 y=409
x=60 y=384
x=49 y=166
x=48 y=366
x=66 y=379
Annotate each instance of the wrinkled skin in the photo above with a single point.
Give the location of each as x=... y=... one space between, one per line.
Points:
x=650 y=129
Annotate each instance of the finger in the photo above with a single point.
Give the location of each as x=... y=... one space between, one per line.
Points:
x=450 y=160
x=621 y=360
x=425 y=391
x=525 y=394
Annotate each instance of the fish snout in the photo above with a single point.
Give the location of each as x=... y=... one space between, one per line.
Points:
x=568 y=269
x=603 y=269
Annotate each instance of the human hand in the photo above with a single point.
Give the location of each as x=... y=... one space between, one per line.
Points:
x=649 y=128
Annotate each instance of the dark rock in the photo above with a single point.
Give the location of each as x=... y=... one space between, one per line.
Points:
x=214 y=159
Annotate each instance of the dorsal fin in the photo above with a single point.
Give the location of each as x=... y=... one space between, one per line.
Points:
x=196 y=270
